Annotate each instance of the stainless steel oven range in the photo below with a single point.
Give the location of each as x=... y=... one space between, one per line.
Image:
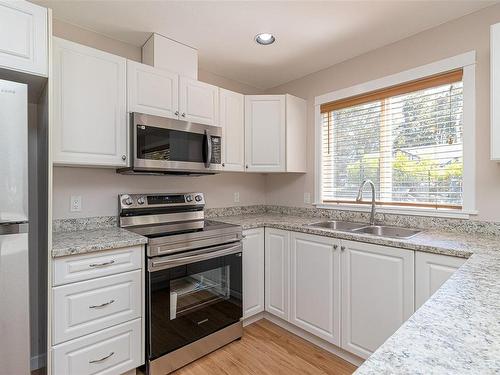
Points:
x=193 y=278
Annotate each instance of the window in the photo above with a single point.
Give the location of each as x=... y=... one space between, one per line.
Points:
x=407 y=139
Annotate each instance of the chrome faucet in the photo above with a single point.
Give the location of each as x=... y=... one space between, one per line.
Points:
x=359 y=198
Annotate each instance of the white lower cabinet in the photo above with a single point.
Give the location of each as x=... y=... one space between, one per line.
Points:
x=377 y=294
x=111 y=351
x=88 y=306
x=431 y=271
x=315 y=285
x=97 y=312
x=277 y=279
x=253 y=272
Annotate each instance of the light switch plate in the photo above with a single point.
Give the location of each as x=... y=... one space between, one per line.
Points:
x=75 y=204
x=237 y=197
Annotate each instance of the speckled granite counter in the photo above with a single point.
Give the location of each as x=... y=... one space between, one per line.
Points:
x=457 y=331
x=87 y=241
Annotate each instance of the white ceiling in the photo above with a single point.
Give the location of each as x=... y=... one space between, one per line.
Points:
x=311 y=35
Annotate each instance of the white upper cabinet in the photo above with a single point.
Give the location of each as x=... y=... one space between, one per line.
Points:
x=277 y=272
x=232 y=121
x=315 y=285
x=89 y=106
x=265 y=132
x=152 y=91
x=275 y=133
x=431 y=271
x=253 y=272
x=198 y=102
x=23 y=37
x=377 y=294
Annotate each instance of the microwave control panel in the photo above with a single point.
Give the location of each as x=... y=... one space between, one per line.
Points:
x=216 y=150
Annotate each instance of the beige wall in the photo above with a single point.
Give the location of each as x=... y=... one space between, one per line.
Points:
x=99 y=187
x=465 y=34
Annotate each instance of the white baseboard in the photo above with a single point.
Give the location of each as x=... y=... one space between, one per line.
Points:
x=38 y=361
x=334 y=349
x=253 y=319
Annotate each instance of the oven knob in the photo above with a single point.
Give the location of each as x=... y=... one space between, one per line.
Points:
x=198 y=198
x=141 y=200
x=189 y=198
x=128 y=201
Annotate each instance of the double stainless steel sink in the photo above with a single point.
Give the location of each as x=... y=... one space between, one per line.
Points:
x=376 y=230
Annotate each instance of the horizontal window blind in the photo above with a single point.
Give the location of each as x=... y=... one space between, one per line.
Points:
x=407 y=139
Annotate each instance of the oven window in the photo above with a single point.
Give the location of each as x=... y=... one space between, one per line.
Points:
x=191 y=301
x=198 y=291
x=166 y=144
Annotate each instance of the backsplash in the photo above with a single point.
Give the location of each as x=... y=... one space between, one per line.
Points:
x=422 y=222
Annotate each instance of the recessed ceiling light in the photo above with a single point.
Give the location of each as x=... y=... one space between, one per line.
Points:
x=265 y=39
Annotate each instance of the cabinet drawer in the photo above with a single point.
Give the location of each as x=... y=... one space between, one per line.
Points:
x=89 y=306
x=111 y=351
x=88 y=266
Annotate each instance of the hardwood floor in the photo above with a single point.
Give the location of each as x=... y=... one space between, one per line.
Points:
x=267 y=349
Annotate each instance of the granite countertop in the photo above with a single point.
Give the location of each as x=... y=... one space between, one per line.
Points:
x=88 y=241
x=457 y=330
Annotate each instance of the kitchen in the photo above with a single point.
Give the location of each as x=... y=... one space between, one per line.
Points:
x=191 y=191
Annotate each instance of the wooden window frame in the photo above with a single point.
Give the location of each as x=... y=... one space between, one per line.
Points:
x=440 y=70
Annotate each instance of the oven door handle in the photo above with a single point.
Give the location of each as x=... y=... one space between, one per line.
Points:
x=207 y=150
x=158 y=265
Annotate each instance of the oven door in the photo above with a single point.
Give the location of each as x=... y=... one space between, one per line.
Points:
x=162 y=144
x=192 y=296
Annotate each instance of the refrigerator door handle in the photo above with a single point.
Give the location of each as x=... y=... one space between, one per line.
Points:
x=13 y=228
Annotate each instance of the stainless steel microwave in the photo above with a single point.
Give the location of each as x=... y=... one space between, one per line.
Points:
x=161 y=145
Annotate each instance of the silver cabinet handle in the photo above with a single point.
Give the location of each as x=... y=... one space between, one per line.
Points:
x=342 y=248
x=102 y=359
x=124 y=157
x=94 y=265
x=176 y=113
x=102 y=304
x=183 y=114
x=335 y=247
x=223 y=164
x=246 y=166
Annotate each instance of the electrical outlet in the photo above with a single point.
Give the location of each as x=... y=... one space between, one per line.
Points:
x=75 y=204
x=307 y=198
x=237 y=197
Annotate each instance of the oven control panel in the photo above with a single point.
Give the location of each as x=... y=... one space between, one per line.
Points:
x=137 y=201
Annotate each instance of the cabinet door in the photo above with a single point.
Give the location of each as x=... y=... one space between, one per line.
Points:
x=232 y=121
x=431 y=271
x=377 y=294
x=315 y=285
x=90 y=109
x=152 y=91
x=23 y=37
x=253 y=272
x=265 y=121
x=198 y=102
x=277 y=272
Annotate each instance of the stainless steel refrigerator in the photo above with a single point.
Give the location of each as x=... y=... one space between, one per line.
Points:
x=14 y=226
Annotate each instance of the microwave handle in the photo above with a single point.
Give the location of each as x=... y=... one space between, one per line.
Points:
x=208 y=156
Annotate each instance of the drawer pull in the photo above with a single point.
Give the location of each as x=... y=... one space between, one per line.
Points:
x=102 y=359
x=93 y=265
x=102 y=304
